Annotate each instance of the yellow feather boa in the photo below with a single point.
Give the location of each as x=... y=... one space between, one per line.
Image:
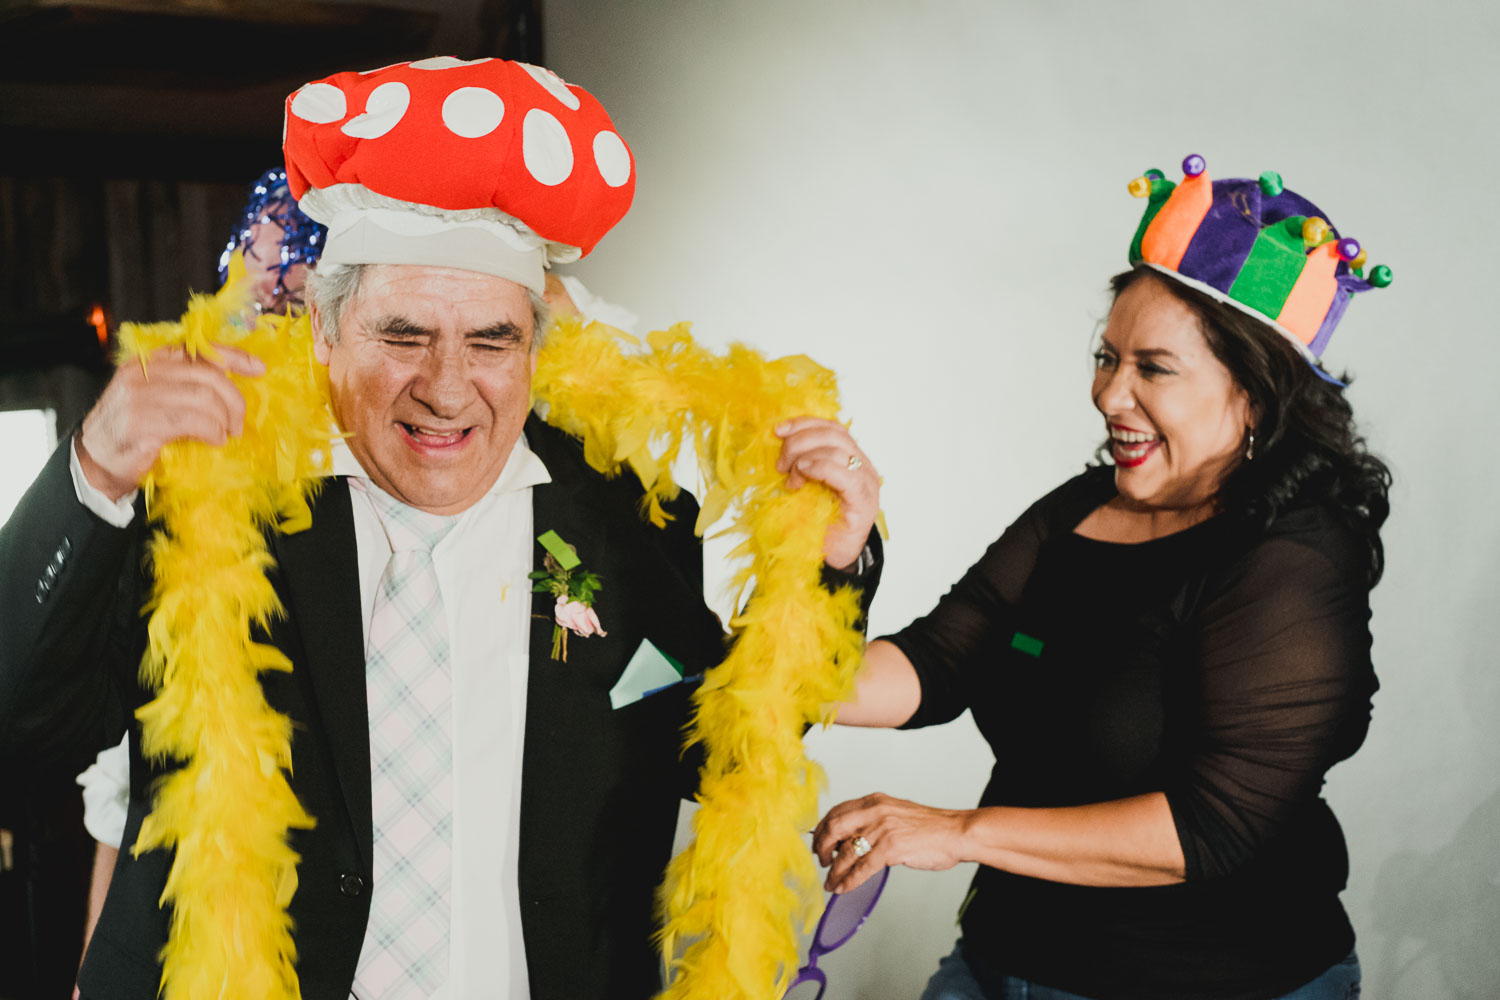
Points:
x=736 y=895
x=796 y=648
x=227 y=811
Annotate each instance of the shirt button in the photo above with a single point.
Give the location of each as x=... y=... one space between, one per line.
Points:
x=351 y=885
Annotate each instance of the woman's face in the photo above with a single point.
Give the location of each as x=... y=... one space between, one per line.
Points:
x=1176 y=418
x=273 y=291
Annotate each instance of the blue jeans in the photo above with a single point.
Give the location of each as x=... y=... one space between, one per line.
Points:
x=954 y=980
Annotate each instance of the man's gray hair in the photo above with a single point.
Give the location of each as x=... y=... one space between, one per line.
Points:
x=333 y=288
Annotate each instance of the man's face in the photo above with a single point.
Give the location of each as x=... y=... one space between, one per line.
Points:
x=432 y=376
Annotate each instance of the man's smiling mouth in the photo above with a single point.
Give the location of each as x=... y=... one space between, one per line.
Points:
x=430 y=438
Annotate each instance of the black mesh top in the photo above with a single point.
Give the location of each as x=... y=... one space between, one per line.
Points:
x=1226 y=667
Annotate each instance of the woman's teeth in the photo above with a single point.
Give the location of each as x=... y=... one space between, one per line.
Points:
x=1131 y=446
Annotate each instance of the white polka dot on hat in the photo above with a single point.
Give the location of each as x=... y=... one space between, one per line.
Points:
x=487 y=164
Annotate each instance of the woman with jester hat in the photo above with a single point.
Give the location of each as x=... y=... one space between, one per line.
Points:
x=1168 y=652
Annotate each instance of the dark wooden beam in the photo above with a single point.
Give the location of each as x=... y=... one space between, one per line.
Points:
x=172 y=44
x=175 y=157
x=511 y=29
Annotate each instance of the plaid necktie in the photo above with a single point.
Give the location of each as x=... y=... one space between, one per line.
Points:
x=408 y=682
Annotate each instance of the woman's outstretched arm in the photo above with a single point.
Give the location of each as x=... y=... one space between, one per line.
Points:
x=886 y=692
x=1125 y=842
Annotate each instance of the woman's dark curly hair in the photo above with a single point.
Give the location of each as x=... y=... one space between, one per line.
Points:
x=1307 y=449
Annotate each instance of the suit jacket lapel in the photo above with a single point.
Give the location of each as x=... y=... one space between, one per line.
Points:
x=318 y=567
x=567 y=506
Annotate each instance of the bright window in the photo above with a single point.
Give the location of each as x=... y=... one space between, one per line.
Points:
x=27 y=437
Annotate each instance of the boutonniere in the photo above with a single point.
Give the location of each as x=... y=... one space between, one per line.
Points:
x=574 y=589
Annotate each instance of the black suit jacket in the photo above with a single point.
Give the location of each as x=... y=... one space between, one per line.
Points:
x=600 y=787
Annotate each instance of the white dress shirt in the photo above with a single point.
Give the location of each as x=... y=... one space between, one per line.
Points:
x=482 y=568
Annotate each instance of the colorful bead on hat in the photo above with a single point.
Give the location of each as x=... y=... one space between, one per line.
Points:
x=484 y=164
x=1256 y=246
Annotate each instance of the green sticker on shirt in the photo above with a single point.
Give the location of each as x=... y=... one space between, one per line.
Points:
x=1028 y=644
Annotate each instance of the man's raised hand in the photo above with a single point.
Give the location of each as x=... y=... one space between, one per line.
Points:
x=143 y=409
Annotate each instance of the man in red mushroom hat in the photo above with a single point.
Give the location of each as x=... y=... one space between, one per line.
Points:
x=487 y=823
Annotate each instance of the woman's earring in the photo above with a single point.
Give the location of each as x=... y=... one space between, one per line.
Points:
x=1250 y=447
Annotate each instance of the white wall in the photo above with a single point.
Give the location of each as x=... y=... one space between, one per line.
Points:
x=929 y=199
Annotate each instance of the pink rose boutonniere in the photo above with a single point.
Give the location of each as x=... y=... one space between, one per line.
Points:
x=574 y=589
x=578 y=618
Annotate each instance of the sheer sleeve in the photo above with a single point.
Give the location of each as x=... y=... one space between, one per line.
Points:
x=1283 y=679
x=946 y=644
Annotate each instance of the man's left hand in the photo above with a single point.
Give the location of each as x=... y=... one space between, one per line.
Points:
x=823 y=451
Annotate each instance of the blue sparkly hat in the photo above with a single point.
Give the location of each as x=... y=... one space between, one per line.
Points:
x=272 y=201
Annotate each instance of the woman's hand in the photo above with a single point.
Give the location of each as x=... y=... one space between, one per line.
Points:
x=898 y=832
x=823 y=451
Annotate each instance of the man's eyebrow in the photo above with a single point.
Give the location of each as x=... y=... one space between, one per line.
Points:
x=503 y=330
x=399 y=326
x=403 y=327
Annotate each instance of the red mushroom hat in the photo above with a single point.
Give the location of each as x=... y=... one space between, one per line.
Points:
x=486 y=165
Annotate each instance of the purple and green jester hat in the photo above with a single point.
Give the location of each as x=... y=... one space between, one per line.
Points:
x=1257 y=247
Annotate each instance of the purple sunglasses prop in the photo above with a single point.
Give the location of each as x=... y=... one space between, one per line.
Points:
x=841 y=918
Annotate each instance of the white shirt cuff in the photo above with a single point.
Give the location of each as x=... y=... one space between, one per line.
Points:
x=118 y=513
x=106 y=794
